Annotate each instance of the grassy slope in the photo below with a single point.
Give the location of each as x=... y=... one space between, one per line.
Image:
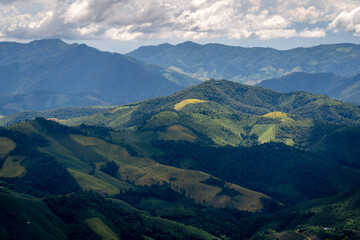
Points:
x=12 y=167
x=144 y=171
x=183 y=103
x=6 y=145
x=25 y=217
x=101 y=229
x=28 y=219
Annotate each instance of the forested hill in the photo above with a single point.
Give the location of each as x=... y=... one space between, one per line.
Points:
x=45 y=74
x=251 y=64
x=233 y=98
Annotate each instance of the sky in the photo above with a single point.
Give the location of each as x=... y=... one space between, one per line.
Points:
x=123 y=25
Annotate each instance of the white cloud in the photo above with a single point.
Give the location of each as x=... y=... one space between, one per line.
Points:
x=185 y=19
x=266 y=34
x=315 y=33
x=305 y=15
x=123 y=34
x=347 y=21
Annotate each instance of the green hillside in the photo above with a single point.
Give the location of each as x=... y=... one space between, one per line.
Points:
x=233 y=98
x=84 y=215
x=24 y=217
x=70 y=155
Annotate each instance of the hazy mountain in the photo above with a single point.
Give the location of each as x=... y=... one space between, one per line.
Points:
x=343 y=88
x=45 y=74
x=251 y=64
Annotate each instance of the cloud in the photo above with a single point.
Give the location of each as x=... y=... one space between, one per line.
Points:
x=347 y=21
x=314 y=33
x=305 y=15
x=127 y=20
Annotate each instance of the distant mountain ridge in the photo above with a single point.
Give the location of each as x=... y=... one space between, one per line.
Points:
x=75 y=74
x=251 y=64
x=346 y=89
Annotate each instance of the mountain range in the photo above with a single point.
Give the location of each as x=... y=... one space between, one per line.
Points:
x=46 y=74
x=251 y=64
x=346 y=89
x=210 y=160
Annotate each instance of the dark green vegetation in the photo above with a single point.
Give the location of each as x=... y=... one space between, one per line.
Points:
x=84 y=215
x=336 y=217
x=45 y=74
x=280 y=171
x=251 y=64
x=220 y=159
x=346 y=89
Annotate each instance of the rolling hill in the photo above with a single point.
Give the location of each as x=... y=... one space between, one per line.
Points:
x=228 y=114
x=46 y=74
x=221 y=98
x=45 y=159
x=43 y=153
x=217 y=160
x=346 y=89
x=251 y=64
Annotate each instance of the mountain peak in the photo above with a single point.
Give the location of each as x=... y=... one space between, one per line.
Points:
x=48 y=41
x=189 y=45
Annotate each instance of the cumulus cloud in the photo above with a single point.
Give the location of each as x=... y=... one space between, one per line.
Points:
x=185 y=19
x=314 y=33
x=305 y=15
x=347 y=21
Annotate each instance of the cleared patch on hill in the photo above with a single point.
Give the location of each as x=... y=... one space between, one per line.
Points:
x=265 y=132
x=60 y=152
x=177 y=132
x=283 y=117
x=183 y=103
x=120 y=108
x=111 y=152
x=181 y=231
x=162 y=119
x=12 y=167
x=6 y=146
x=89 y=182
x=61 y=121
x=222 y=130
x=101 y=229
